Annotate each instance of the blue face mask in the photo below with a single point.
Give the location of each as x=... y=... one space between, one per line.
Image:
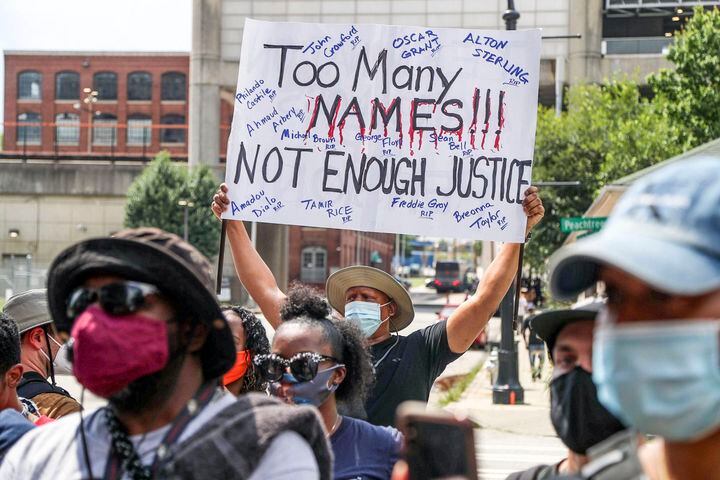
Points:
x=314 y=392
x=365 y=315
x=662 y=378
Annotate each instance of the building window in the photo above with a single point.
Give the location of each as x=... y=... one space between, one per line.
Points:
x=138 y=130
x=29 y=129
x=172 y=135
x=173 y=86
x=105 y=83
x=67 y=128
x=139 y=86
x=29 y=86
x=67 y=86
x=104 y=129
x=314 y=263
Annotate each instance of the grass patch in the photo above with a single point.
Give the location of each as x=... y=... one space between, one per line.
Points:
x=456 y=391
x=417 y=281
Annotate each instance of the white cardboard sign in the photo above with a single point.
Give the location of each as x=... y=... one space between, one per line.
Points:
x=381 y=128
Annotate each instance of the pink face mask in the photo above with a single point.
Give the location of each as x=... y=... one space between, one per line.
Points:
x=110 y=352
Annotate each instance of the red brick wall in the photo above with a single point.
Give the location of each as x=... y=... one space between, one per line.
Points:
x=341 y=247
x=122 y=65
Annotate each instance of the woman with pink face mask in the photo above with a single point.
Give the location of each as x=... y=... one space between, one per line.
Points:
x=324 y=362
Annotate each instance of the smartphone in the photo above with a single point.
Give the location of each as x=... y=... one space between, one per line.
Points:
x=437 y=444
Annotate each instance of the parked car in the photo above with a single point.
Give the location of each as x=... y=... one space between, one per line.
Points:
x=448 y=277
x=403 y=282
x=447 y=310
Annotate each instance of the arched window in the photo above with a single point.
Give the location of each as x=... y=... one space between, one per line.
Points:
x=104 y=129
x=29 y=86
x=29 y=129
x=105 y=83
x=173 y=86
x=67 y=86
x=139 y=86
x=67 y=128
x=138 y=129
x=172 y=135
x=314 y=265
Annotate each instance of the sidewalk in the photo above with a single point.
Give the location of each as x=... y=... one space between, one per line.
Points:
x=428 y=297
x=532 y=417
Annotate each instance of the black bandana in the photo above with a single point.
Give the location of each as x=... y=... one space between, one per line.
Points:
x=124 y=449
x=578 y=417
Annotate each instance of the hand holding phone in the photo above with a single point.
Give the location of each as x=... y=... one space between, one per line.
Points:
x=437 y=445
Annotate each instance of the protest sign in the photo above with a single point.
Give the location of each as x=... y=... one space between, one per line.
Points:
x=380 y=128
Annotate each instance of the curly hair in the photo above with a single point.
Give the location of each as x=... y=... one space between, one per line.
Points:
x=9 y=343
x=305 y=306
x=256 y=341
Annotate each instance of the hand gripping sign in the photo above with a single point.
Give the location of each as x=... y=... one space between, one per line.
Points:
x=379 y=128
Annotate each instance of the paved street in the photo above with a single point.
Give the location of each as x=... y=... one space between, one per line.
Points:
x=501 y=453
x=511 y=437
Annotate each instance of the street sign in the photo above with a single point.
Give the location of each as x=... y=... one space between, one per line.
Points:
x=579 y=224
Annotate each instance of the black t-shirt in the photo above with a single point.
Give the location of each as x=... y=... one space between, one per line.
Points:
x=405 y=369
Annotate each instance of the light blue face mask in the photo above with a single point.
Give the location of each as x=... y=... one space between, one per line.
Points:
x=365 y=315
x=662 y=378
x=313 y=392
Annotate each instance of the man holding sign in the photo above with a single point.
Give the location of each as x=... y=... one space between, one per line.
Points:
x=405 y=366
x=385 y=129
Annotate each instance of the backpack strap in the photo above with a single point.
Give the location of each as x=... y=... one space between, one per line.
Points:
x=33 y=384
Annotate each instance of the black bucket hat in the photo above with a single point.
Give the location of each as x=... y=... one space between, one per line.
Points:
x=152 y=256
x=547 y=325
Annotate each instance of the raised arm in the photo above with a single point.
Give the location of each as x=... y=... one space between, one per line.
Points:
x=466 y=322
x=251 y=269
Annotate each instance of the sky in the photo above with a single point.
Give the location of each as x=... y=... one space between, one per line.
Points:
x=93 y=25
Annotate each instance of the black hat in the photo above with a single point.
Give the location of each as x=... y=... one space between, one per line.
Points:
x=153 y=256
x=547 y=325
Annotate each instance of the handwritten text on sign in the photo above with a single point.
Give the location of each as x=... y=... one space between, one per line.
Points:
x=390 y=129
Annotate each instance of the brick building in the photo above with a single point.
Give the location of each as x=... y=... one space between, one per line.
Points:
x=83 y=104
x=109 y=106
x=315 y=253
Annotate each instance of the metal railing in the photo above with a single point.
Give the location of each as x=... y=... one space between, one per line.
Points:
x=101 y=139
x=626 y=4
x=635 y=45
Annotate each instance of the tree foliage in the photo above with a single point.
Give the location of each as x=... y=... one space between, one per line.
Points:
x=688 y=94
x=152 y=201
x=607 y=132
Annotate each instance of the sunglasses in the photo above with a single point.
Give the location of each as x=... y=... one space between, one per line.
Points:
x=303 y=366
x=121 y=298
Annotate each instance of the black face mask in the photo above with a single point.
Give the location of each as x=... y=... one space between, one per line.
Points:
x=578 y=417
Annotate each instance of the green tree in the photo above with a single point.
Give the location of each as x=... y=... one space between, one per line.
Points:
x=152 y=201
x=607 y=132
x=688 y=94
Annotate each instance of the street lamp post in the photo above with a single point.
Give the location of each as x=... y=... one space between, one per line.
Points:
x=186 y=204
x=507 y=388
x=88 y=105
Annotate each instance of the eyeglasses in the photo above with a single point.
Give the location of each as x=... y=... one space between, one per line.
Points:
x=303 y=366
x=119 y=298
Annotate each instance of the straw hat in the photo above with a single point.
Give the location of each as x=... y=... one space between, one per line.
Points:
x=361 y=276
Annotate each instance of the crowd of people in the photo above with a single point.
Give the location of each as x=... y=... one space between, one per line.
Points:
x=199 y=390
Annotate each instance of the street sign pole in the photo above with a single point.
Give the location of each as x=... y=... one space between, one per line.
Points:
x=507 y=389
